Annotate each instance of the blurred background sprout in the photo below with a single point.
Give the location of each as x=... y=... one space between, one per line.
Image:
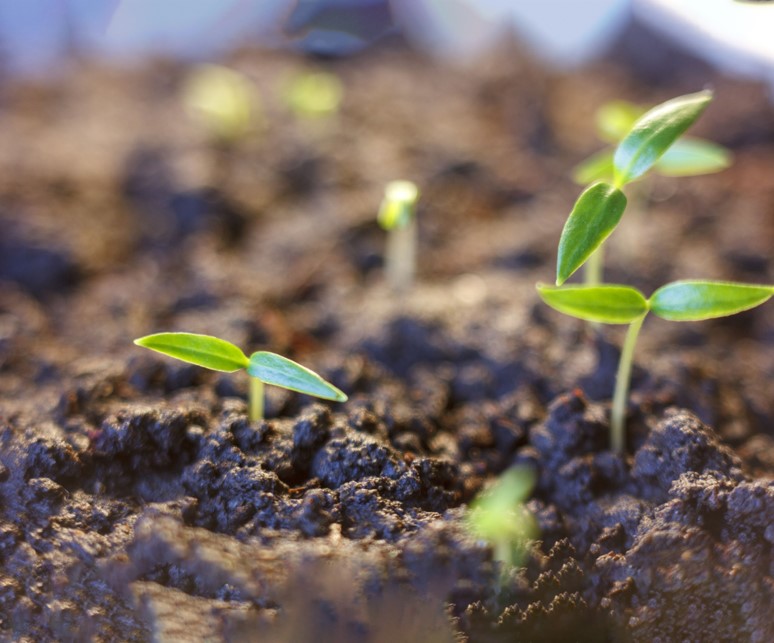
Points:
x=499 y=517
x=222 y=100
x=397 y=215
x=688 y=156
x=312 y=95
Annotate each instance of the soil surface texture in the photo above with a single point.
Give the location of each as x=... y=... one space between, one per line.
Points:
x=138 y=503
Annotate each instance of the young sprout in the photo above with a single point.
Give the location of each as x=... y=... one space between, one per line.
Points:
x=397 y=215
x=690 y=300
x=314 y=94
x=223 y=100
x=651 y=142
x=499 y=516
x=262 y=366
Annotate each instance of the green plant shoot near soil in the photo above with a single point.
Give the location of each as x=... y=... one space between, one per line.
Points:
x=262 y=366
x=689 y=300
x=651 y=141
x=499 y=517
x=596 y=214
x=397 y=215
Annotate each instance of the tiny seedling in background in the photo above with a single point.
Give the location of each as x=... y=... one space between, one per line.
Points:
x=314 y=95
x=499 y=516
x=262 y=366
x=223 y=100
x=397 y=215
x=652 y=141
x=690 y=300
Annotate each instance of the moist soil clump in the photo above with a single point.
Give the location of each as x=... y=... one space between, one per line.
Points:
x=138 y=503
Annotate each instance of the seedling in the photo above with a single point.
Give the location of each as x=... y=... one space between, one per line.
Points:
x=223 y=100
x=262 y=366
x=499 y=516
x=652 y=141
x=314 y=95
x=598 y=211
x=678 y=301
x=397 y=215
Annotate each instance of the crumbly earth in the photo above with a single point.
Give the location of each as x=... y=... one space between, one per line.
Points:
x=138 y=503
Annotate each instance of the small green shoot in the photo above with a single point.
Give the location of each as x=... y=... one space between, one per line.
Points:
x=397 y=215
x=223 y=100
x=262 y=366
x=313 y=95
x=499 y=516
x=645 y=141
x=690 y=300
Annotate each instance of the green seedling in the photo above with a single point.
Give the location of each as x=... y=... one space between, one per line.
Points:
x=651 y=141
x=223 y=100
x=678 y=301
x=225 y=104
x=499 y=516
x=397 y=215
x=314 y=95
x=262 y=366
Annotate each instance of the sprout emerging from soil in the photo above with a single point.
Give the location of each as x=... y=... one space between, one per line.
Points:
x=314 y=94
x=689 y=300
x=262 y=366
x=649 y=141
x=499 y=516
x=397 y=215
x=223 y=100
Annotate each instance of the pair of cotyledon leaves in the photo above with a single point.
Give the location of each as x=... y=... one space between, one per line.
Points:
x=220 y=355
x=689 y=300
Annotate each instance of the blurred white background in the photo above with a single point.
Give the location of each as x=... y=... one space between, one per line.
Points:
x=35 y=35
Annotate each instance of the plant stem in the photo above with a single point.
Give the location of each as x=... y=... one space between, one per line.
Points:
x=256 y=399
x=401 y=255
x=622 y=381
x=592 y=271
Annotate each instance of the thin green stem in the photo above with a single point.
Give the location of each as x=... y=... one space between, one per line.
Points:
x=401 y=256
x=594 y=268
x=622 y=381
x=256 y=399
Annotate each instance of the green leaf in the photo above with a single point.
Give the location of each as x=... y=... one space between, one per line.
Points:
x=693 y=156
x=696 y=300
x=597 y=167
x=594 y=216
x=654 y=133
x=608 y=304
x=616 y=118
x=202 y=350
x=281 y=371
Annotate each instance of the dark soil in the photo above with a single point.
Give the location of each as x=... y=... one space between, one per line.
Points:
x=138 y=503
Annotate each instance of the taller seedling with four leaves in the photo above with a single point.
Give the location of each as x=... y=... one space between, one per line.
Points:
x=597 y=213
